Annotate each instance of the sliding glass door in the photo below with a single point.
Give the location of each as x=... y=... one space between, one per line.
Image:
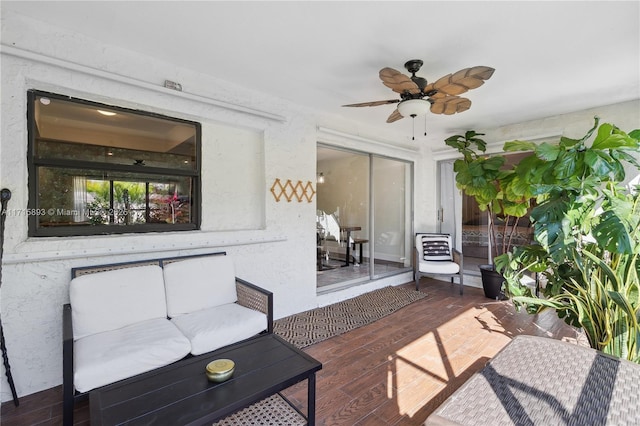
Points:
x=392 y=242
x=363 y=218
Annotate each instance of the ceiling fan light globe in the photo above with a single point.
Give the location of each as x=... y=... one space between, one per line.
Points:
x=414 y=107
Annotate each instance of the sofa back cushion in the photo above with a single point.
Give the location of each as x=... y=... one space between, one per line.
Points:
x=199 y=283
x=105 y=301
x=434 y=247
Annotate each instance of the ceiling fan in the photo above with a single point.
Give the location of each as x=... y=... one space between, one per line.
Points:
x=417 y=96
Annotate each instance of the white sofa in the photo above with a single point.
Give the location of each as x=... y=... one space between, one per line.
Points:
x=127 y=319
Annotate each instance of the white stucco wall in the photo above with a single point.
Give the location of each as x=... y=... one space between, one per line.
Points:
x=274 y=249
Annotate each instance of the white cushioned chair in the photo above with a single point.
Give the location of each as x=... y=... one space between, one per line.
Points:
x=436 y=256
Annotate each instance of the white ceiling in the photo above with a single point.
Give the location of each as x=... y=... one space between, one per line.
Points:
x=550 y=57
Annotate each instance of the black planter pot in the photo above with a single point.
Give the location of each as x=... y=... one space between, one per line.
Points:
x=492 y=282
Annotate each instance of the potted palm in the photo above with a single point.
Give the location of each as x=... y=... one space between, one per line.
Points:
x=498 y=191
x=587 y=236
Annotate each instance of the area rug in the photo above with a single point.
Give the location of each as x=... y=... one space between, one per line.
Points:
x=273 y=411
x=313 y=326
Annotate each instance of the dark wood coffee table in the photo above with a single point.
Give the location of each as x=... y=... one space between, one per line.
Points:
x=180 y=394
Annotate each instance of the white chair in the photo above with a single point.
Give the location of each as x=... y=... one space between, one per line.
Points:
x=436 y=256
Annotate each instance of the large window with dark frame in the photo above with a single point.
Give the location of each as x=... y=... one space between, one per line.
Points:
x=99 y=169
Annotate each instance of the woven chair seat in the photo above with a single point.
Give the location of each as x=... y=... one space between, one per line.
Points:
x=542 y=381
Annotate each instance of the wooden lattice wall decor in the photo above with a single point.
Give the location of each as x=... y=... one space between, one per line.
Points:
x=300 y=191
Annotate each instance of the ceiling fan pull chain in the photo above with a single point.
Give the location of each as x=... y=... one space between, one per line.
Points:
x=425 y=125
x=413 y=121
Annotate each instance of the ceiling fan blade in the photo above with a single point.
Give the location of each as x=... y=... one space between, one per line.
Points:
x=398 y=82
x=374 y=103
x=395 y=116
x=450 y=105
x=482 y=72
x=463 y=80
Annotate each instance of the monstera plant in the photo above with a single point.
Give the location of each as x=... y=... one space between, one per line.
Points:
x=587 y=236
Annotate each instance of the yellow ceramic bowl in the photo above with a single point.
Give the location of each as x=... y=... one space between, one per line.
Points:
x=220 y=370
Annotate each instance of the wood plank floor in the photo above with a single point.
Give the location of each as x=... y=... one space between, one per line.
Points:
x=395 y=371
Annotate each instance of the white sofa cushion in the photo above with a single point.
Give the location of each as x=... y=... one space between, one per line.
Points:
x=109 y=300
x=199 y=283
x=438 y=267
x=114 y=355
x=213 y=328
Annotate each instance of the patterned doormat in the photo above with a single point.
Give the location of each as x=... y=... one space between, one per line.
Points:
x=273 y=411
x=313 y=326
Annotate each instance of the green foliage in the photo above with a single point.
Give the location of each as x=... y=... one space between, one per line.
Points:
x=129 y=194
x=100 y=191
x=500 y=192
x=587 y=237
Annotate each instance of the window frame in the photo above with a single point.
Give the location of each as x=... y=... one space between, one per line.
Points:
x=34 y=163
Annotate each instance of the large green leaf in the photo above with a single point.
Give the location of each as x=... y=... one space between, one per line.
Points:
x=456 y=141
x=518 y=189
x=625 y=156
x=471 y=135
x=533 y=256
x=568 y=142
x=487 y=193
x=547 y=152
x=600 y=265
x=566 y=164
x=612 y=234
x=600 y=163
x=517 y=145
x=493 y=163
x=463 y=176
x=622 y=302
x=463 y=144
x=615 y=141
x=530 y=168
x=515 y=209
x=537 y=302
x=619 y=345
x=587 y=320
x=552 y=210
x=622 y=204
x=610 y=137
x=619 y=172
x=604 y=131
x=476 y=168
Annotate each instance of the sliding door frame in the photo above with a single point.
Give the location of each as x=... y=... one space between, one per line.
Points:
x=408 y=225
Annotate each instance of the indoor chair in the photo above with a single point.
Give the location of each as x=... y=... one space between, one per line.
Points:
x=436 y=256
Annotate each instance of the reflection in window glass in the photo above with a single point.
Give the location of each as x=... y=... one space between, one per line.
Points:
x=95 y=169
x=98 y=200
